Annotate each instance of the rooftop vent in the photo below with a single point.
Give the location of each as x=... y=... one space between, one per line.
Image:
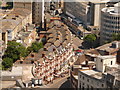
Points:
x=14 y=18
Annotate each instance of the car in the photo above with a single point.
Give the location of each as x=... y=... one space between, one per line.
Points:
x=81 y=38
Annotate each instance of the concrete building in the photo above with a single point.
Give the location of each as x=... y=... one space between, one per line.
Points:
x=110 y=23
x=53 y=61
x=17 y=21
x=103 y=61
x=38 y=12
x=36 y=7
x=106 y=49
x=56 y=56
x=23 y=4
x=96 y=79
x=91 y=76
x=28 y=36
x=39 y=8
x=89 y=12
x=79 y=11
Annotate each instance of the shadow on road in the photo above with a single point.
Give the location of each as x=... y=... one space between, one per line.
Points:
x=65 y=85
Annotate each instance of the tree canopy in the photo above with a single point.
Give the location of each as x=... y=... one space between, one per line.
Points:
x=15 y=51
x=116 y=36
x=35 y=47
x=7 y=63
x=90 y=40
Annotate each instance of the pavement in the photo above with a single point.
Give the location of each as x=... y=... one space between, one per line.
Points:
x=7 y=84
x=56 y=83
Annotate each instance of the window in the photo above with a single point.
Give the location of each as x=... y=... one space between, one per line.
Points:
x=101 y=60
x=88 y=80
x=102 y=85
x=111 y=62
x=83 y=77
x=91 y=87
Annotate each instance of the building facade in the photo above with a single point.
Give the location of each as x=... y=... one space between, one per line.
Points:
x=89 y=12
x=94 y=78
x=54 y=59
x=36 y=7
x=110 y=23
x=79 y=11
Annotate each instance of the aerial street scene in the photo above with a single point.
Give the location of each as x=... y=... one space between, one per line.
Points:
x=60 y=44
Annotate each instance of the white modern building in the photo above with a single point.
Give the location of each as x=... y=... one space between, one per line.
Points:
x=105 y=75
x=110 y=23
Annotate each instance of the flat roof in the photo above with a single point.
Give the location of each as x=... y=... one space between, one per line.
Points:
x=16 y=71
x=92 y=73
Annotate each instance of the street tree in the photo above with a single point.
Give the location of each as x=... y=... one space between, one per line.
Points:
x=7 y=63
x=116 y=36
x=90 y=39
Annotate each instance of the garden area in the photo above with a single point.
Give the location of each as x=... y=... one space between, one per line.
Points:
x=15 y=51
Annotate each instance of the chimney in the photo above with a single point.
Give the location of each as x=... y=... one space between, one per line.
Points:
x=53 y=49
x=32 y=55
x=45 y=49
x=91 y=67
x=26 y=28
x=43 y=55
x=86 y=62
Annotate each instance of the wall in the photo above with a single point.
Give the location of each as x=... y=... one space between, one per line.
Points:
x=87 y=81
x=102 y=63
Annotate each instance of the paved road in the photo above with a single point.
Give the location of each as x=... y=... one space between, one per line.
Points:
x=58 y=82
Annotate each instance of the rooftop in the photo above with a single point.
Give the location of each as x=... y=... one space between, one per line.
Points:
x=110 y=47
x=16 y=71
x=113 y=10
x=22 y=34
x=92 y=73
x=13 y=18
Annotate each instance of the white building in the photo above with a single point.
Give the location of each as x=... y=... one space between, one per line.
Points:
x=105 y=75
x=103 y=61
x=110 y=23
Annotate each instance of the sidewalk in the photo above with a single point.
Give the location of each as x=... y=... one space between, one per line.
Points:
x=57 y=81
x=54 y=82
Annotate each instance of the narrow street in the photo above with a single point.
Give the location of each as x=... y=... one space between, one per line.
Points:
x=59 y=83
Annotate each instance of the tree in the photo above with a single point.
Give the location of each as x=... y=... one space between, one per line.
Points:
x=29 y=50
x=90 y=39
x=116 y=36
x=15 y=51
x=36 y=46
x=7 y=63
x=0 y=3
